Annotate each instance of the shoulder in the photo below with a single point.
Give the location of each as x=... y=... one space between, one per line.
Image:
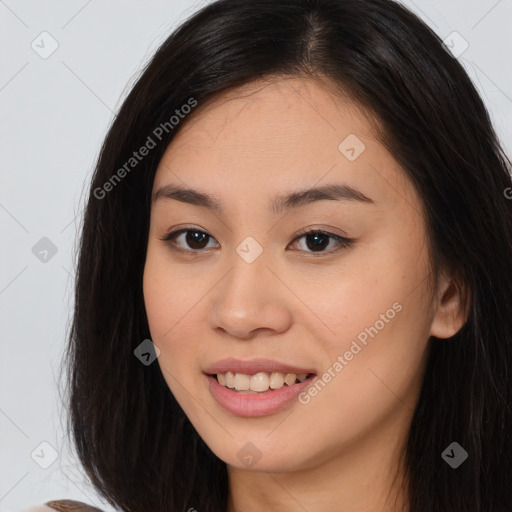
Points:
x=63 y=506
x=38 y=508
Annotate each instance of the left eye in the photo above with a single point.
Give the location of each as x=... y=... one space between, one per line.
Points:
x=316 y=240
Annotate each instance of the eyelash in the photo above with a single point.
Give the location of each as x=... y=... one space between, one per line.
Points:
x=342 y=241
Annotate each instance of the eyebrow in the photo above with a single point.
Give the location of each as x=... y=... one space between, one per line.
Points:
x=296 y=199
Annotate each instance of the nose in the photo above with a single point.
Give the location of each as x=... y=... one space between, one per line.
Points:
x=249 y=299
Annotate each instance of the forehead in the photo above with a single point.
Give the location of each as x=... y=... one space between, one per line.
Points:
x=289 y=107
x=277 y=134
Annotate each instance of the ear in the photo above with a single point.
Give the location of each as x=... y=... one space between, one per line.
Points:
x=450 y=308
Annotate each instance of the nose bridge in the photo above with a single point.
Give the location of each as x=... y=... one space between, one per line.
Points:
x=248 y=266
x=246 y=299
x=249 y=250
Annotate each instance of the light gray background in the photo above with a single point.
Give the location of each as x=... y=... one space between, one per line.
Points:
x=54 y=115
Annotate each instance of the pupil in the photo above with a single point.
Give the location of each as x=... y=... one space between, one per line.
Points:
x=316 y=243
x=193 y=242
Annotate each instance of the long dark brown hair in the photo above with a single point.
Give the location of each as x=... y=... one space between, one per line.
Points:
x=137 y=446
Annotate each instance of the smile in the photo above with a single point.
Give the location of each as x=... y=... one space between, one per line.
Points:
x=260 y=382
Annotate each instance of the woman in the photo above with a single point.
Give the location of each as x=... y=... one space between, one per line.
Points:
x=294 y=278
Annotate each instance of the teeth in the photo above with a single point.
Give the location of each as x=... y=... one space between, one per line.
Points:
x=290 y=379
x=242 y=381
x=230 y=379
x=259 y=382
x=276 y=380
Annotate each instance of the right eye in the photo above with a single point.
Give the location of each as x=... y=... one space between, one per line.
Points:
x=194 y=238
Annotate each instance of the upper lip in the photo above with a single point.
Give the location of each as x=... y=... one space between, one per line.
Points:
x=252 y=366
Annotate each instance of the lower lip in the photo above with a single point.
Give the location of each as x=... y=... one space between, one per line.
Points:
x=251 y=405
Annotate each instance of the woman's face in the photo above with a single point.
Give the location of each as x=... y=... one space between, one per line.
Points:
x=245 y=283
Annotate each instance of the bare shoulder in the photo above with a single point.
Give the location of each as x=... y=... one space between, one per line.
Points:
x=63 y=506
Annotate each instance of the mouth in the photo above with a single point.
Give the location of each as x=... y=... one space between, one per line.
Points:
x=261 y=382
x=257 y=387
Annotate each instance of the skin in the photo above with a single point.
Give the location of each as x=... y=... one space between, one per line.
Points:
x=294 y=304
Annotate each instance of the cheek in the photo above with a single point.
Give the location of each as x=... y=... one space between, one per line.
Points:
x=168 y=300
x=353 y=296
x=374 y=370
x=378 y=355
x=168 y=294
x=172 y=330
x=376 y=316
